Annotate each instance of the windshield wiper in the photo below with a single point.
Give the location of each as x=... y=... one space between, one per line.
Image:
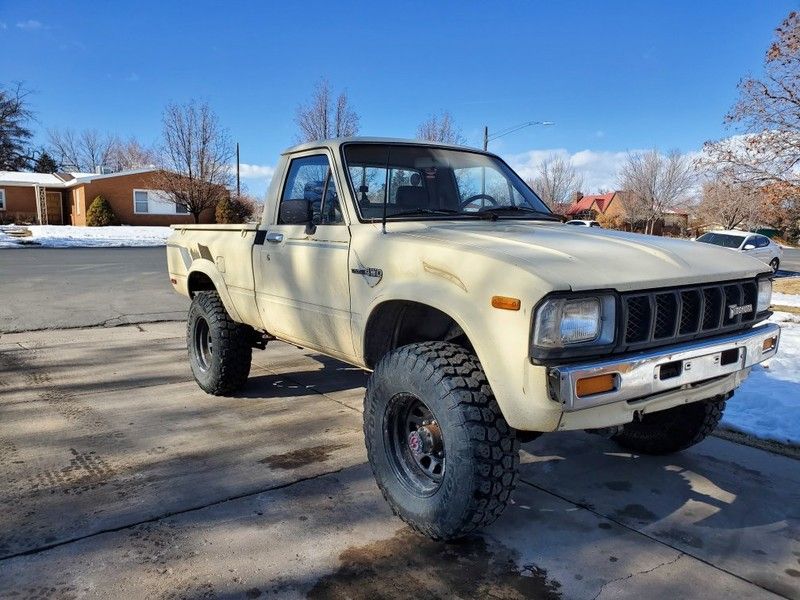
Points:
x=424 y=211
x=494 y=211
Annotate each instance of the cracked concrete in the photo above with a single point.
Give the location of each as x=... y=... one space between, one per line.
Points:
x=123 y=479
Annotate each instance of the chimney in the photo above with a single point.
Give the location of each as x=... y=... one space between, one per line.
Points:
x=576 y=197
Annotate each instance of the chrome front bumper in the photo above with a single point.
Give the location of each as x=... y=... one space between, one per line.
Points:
x=652 y=372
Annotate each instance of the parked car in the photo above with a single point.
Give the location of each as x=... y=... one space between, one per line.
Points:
x=484 y=319
x=583 y=223
x=754 y=244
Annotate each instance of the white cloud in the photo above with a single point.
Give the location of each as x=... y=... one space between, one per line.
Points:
x=599 y=169
x=247 y=171
x=29 y=25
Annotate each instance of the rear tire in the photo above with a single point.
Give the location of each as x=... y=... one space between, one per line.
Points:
x=673 y=429
x=442 y=454
x=775 y=264
x=219 y=348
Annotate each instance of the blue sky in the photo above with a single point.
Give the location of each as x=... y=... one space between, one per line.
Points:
x=613 y=76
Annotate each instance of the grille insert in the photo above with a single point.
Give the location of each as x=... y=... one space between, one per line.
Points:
x=663 y=316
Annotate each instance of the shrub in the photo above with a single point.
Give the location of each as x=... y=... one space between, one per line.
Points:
x=100 y=213
x=234 y=210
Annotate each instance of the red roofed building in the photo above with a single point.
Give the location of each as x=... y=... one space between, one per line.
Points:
x=610 y=210
x=589 y=207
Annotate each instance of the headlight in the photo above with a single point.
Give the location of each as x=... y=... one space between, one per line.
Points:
x=764 y=295
x=564 y=322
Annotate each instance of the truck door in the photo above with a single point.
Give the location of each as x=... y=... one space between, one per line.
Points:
x=301 y=271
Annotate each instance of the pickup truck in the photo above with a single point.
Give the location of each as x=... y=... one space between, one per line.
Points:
x=483 y=319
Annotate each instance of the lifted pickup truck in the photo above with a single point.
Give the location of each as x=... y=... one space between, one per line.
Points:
x=484 y=320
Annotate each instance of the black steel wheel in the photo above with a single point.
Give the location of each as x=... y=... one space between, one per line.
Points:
x=442 y=454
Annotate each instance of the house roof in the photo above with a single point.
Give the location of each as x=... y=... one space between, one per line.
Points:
x=585 y=203
x=60 y=180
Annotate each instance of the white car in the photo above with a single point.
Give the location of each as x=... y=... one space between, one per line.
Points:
x=756 y=245
x=581 y=223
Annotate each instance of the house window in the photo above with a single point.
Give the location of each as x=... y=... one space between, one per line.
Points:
x=156 y=202
x=2 y=199
x=140 y=203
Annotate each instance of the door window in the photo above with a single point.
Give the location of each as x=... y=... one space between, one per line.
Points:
x=310 y=178
x=761 y=241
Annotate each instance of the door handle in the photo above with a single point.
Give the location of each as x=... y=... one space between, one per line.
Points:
x=274 y=237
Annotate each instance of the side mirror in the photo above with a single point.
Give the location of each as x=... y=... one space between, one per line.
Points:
x=748 y=247
x=295 y=212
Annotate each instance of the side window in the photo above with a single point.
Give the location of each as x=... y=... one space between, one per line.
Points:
x=331 y=213
x=750 y=241
x=761 y=241
x=306 y=181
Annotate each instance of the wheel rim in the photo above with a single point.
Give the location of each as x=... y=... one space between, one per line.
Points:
x=415 y=444
x=774 y=264
x=203 y=346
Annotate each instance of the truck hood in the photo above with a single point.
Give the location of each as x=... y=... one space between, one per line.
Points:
x=578 y=258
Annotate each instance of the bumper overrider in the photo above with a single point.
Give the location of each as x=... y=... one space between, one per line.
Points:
x=643 y=374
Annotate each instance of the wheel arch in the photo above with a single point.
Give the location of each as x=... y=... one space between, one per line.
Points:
x=397 y=322
x=204 y=276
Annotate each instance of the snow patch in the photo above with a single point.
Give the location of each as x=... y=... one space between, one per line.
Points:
x=68 y=236
x=767 y=405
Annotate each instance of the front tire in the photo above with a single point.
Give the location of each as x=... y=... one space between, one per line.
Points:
x=673 y=429
x=442 y=454
x=219 y=348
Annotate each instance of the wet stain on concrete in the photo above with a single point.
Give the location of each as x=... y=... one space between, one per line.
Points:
x=411 y=566
x=680 y=537
x=302 y=457
x=637 y=512
x=604 y=525
x=792 y=572
x=618 y=486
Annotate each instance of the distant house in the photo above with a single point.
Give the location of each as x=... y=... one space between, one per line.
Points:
x=63 y=198
x=611 y=210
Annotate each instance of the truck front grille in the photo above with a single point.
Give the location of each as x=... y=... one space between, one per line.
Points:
x=662 y=316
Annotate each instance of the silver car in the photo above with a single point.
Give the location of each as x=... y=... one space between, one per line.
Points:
x=754 y=244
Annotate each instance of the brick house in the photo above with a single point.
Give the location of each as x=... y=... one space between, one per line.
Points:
x=610 y=209
x=63 y=198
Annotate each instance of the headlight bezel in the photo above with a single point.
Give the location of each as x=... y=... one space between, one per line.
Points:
x=763 y=279
x=604 y=342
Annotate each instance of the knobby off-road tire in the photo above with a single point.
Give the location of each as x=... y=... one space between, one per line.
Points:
x=477 y=470
x=673 y=429
x=219 y=348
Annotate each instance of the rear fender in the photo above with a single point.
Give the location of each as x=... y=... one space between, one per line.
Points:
x=209 y=269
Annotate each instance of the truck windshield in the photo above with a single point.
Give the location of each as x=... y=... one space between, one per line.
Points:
x=426 y=182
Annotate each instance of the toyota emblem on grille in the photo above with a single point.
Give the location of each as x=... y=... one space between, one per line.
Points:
x=735 y=310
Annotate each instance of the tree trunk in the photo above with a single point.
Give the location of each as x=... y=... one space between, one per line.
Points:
x=196 y=217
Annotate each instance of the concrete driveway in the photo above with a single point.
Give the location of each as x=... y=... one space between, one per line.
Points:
x=122 y=479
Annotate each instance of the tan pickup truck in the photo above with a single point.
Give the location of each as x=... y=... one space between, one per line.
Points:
x=484 y=320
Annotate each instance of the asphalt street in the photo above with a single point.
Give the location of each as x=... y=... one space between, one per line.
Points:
x=80 y=287
x=791 y=261
x=123 y=480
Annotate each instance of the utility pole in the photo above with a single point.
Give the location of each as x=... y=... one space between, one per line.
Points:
x=485 y=138
x=238 y=190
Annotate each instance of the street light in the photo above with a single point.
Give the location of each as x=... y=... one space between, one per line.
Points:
x=488 y=138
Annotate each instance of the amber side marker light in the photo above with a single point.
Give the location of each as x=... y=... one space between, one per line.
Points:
x=769 y=344
x=506 y=302
x=589 y=386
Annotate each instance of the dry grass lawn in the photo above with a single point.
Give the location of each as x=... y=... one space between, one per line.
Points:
x=789 y=285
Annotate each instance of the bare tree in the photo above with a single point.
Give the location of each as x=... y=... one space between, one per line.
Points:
x=729 y=204
x=323 y=118
x=556 y=182
x=440 y=128
x=81 y=151
x=15 y=133
x=656 y=183
x=195 y=158
x=768 y=110
x=130 y=154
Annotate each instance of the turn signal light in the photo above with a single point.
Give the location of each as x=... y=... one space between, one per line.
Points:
x=769 y=344
x=506 y=303
x=599 y=384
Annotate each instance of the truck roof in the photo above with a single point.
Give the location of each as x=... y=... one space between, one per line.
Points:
x=335 y=143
